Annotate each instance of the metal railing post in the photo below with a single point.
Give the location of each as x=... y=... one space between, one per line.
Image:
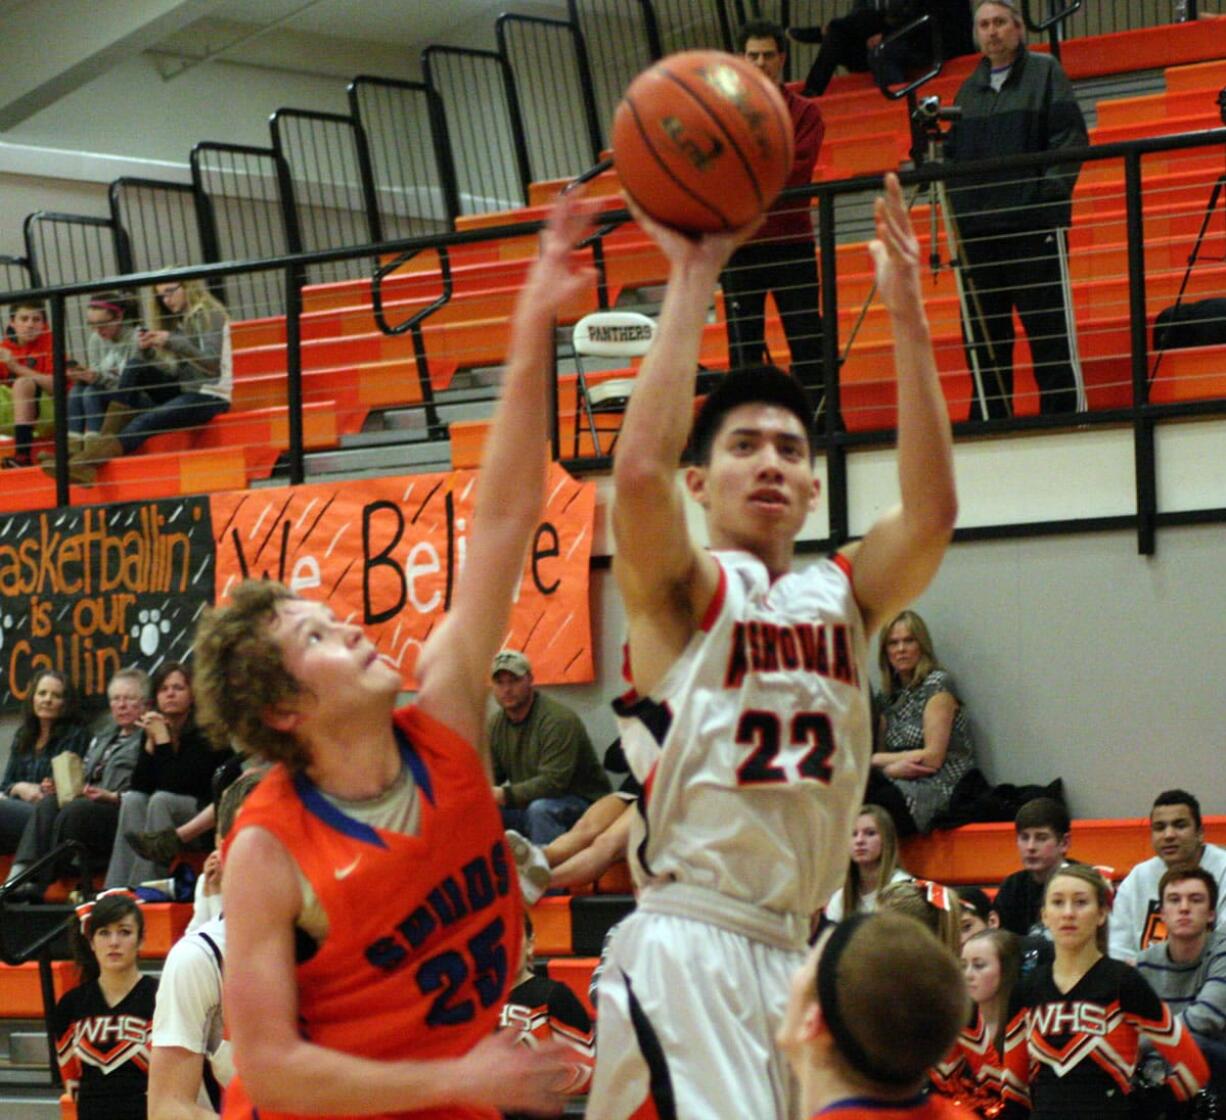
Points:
x=1143 y=424
x=293 y=372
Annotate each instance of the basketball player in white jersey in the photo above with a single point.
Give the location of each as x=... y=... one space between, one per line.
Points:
x=748 y=719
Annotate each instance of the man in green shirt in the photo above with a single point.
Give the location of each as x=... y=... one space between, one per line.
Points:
x=545 y=770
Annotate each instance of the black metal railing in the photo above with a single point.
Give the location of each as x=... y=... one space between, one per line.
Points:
x=487 y=147
x=329 y=188
x=245 y=214
x=63 y=248
x=549 y=76
x=412 y=181
x=158 y=224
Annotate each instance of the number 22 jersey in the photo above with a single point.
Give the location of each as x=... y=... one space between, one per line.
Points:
x=754 y=749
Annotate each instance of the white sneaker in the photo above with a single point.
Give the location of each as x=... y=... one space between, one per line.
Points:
x=533 y=867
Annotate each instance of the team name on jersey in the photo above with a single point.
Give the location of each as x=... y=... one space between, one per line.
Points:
x=766 y=647
x=1070 y=1018
x=113 y=1028
x=479 y=884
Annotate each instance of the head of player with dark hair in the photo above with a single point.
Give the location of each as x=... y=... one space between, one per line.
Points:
x=1175 y=828
x=1043 y=833
x=750 y=385
x=976 y=913
x=877 y=1003
x=108 y=937
x=934 y=905
x=874 y=856
x=992 y=965
x=753 y=470
x=1076 y=907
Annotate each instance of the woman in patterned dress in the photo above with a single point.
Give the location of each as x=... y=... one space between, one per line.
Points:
x=925 y=745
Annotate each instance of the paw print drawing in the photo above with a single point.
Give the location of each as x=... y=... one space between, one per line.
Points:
x=149 y=628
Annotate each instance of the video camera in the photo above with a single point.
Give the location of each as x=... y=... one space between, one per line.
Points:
x=929 y=112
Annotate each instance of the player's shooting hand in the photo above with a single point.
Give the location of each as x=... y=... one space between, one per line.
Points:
x=559 y=274
x=896 y=253
x=709 y=251
x=511 y=1077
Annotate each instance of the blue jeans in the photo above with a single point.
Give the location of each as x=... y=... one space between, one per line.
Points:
x=546 y=818
x=86 y=407
x=160 y=405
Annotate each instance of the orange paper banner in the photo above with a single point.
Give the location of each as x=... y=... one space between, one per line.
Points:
x=387 y=552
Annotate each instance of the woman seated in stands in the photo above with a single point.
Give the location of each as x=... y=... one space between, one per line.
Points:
x=974 y=1071
x=873 y=864
x=49 y=725
x=183 y=383
x=25 y=378
x=103 y=1026
x=92 y=816
x=925 y=737
x=173 y=780
x=1079 y=1020
x=113 y=321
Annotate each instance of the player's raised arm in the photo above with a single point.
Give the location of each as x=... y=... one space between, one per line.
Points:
x=454 y=665
x=902 y=551
x=654 y=557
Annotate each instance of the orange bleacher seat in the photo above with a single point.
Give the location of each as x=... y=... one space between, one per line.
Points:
x=68 y=1107
x=21 y=994
x=165 y=923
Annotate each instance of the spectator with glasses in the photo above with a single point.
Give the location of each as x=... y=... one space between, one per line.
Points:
x=185 y=381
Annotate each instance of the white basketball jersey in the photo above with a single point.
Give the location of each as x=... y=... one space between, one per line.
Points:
x=754 y=750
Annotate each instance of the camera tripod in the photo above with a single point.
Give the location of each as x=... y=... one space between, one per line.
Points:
x=1210 y=209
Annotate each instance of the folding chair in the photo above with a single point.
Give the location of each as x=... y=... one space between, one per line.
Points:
x=606 y=334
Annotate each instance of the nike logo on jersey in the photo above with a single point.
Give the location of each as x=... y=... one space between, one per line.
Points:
x=345 y=872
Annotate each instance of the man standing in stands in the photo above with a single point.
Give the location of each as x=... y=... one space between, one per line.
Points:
x=545 y=771
x=781 y=257
x=1012 y=223
x=1179 y=841
x=748 y=720
x=1043 y=836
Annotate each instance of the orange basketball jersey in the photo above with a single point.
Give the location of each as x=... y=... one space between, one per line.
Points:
x=423 y=931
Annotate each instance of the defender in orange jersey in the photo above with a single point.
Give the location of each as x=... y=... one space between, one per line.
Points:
x=877 y=1003
x=372 y=909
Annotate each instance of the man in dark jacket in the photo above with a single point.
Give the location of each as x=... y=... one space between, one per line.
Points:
x=1012 y=222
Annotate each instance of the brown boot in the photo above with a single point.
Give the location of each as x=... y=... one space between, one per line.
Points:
x=115 y=419
x=98 y=449
x=46 y=459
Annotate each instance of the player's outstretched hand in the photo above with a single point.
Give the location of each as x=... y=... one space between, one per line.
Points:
x=503 y=1073
x=896 y=253
x=709 y=250
x=559 y=274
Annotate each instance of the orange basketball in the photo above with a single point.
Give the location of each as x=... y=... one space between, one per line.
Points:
x=702 y=141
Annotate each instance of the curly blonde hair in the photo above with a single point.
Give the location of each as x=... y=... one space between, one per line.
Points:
x=241 y=674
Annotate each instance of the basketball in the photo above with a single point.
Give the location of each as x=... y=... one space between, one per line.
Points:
x=702 y=141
